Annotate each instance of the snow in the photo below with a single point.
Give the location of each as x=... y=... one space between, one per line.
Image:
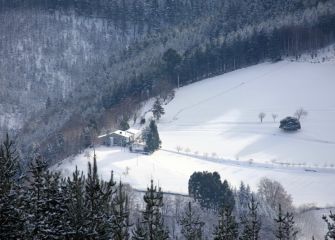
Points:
x=216 y=123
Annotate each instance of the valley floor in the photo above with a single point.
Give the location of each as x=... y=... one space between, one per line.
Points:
x=215 y=124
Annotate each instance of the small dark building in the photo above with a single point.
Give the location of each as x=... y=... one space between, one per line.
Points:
x=290 y=124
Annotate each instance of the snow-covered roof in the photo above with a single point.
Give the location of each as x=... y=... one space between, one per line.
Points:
x=133 y=131
x=103 y=135
x=128 y=133
x=123 y=133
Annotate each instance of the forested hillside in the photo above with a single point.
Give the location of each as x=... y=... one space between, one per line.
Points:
x=71 y=68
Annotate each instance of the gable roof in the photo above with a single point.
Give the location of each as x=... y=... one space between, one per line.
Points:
x=131 y=132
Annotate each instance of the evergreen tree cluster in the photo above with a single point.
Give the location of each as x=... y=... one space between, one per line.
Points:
x=43 y=205
x=208 y=189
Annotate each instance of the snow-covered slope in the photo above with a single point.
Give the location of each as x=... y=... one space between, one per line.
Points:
x=216 y=123
x=220 y=115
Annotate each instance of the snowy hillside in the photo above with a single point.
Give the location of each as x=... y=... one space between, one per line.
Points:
x=216 y=124
x=220 y=115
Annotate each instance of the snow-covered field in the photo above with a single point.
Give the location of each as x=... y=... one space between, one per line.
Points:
x=216 y=124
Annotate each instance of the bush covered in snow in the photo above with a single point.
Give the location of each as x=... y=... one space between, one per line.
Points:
x=290 y=124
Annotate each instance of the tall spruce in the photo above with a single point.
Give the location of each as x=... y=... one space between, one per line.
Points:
x=280 y=223
x=290 y=231
x=139 y=233
x=153 y=222
x=9 y=165
x=77 y=215
x=98 y=199
x=285 y=228
x=11 y=216
x=251 y=222
x=120 y=222
x=157 y=109
x=330 y=226
x=227 y=228
x=54 y=207
x=172 y=61
x=151 y=137
x=191 y=225
x=35 y=200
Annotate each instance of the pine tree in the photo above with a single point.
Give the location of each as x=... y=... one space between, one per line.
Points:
x=251 y=222
x=120 y=222
x=54 y=206
x=191 y=226
x=124 y=125
x=11 y=216
x=77 y=215
x=35 y=200
x=98 y=198
x=151 y=138
x=227 y=228
x=244 y=197
x=280 y=223
x=172 y=61
x=330 y=225
x=44 y=203
x=285 y=229
x=290 y=231
x=153 y=222
x=157 y=109
x=139 y=232
x=9 y=165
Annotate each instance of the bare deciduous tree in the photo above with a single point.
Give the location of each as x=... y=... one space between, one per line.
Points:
x=261 y=116
x=274 y=116
x=300 y=113
x=179 y=148
x=274 y=194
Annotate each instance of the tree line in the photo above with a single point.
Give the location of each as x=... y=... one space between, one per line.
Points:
x=40 y=204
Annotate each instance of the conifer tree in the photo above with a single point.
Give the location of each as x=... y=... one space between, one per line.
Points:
x=157 y=109
x=285 y=229
x=9 y=165
x=120 y=222
x=152 y=217
x=98 y=198
x=280 y=223
x=151 y=138
x=244 y=195
x=35 y=200
x=139 y=232
x=227 y=228
x=54 y=207
x=330 y=225
x=251 y=222
x=191 y=226
x=77 y=214
x=172 y=61
x=290 y=231
x=124 y=125
x=11 y=216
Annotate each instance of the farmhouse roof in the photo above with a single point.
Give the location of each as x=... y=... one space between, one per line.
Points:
x=131 y=132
